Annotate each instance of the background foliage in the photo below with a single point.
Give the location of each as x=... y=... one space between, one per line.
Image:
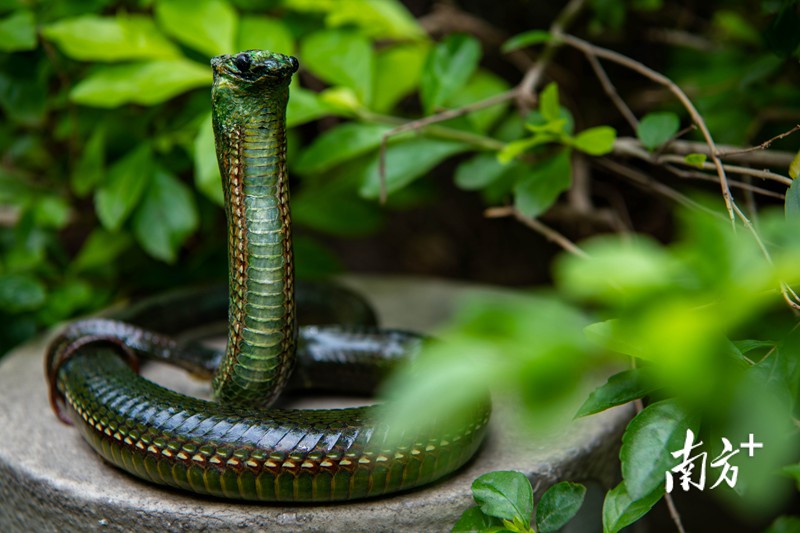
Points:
x=109 y=187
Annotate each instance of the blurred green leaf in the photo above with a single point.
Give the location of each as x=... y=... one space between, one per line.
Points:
x=338 y=145
x=18 y=31
x=264 y=33
x=100 y=250
x=785 y=524
x=781 y=35
x=657 y=128
x=407 y=161
x=527 y=38
x=118 y=38
x=166 y=216
x=648 y=443
x=474 y=521
x=595 y=141
x=616 y=269
x=620 y=388
x=21 y=292
x=481 y=85
x=145 y=83
x=481 y=170
x=89 y=169
x=65 y=300
x=384 y=19
x=549 y=105
x=729 y=24
x=398 y=70
x=558 y=505
x=206 y=169
x=620 y=510
x=305 y=106
x=51 y=212
x=504 y=494
x=127 y=179
x=792 y=202
x=341 y=57
x=539 y=189
x=208 y=26
x=448 y=67
x=695 y=160
x=335 y=209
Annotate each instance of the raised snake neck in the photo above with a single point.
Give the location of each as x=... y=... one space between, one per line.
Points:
x=230 y=448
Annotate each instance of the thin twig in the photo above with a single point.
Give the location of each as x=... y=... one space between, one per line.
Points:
x=766 y=158
x=733 y=169
x=762 y=146
x=604 y=53
x=537 y=226
x=699 y=175
x=611 y=92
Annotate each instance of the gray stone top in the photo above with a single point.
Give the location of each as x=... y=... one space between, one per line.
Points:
x=50 y=480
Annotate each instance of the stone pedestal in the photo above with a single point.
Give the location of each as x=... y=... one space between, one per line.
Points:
x=50 y=480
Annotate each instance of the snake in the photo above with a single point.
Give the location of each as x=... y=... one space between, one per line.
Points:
x=280 y=335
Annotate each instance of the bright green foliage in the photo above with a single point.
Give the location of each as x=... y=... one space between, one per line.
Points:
x=620 y=510
x=505 y=503
x=449 y=66
x=341 y=57
x=208 y=26
x=621 y=388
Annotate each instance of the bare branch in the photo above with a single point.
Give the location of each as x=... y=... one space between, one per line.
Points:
x=537 y=226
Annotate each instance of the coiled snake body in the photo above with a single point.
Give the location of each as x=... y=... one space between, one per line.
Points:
x=237 y=447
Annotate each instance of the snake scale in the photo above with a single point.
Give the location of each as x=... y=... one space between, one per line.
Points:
x=238 y=447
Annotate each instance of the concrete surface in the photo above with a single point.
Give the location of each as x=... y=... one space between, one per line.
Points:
x=50 y=480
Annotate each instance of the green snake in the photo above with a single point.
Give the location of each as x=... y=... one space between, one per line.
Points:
x=238 y=447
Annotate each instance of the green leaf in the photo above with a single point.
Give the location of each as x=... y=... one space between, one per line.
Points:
x=794 y=166
x=527 y=38
x=520 y=146
x=265 y=33
x=558 y=505
x=341 y=57
x=482 y=85
x=305 y=106
x=335 y=208
x=407 y=161
x=620 y=510
x=206 y=168
x=448 y=67
x=397 y=73
x=474 y=521
x=208 y=26
x=785 y=524
x=794 y=471
x=480 y=170
x=51 y=212
x=539 y=189
x=648 y=443
x=127 y=179
x=657 y=128
x=338 y=145
x=620 y=388
x=792 y=202
x=89 y=170
x=595 y=141
x=695 y=160
x=504 y=494
x=165 y=217
x=119 y=38
x=18 y=31
x=19 y=293
x=99 y=250
x=549 y=104
x=145 y=83
x=384 y=19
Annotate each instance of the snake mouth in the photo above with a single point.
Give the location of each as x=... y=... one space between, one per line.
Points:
x=255 y=66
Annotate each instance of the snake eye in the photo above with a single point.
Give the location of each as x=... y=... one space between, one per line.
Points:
x=242 y=62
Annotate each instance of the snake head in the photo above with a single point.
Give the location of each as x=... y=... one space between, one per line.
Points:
x=253 y=68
